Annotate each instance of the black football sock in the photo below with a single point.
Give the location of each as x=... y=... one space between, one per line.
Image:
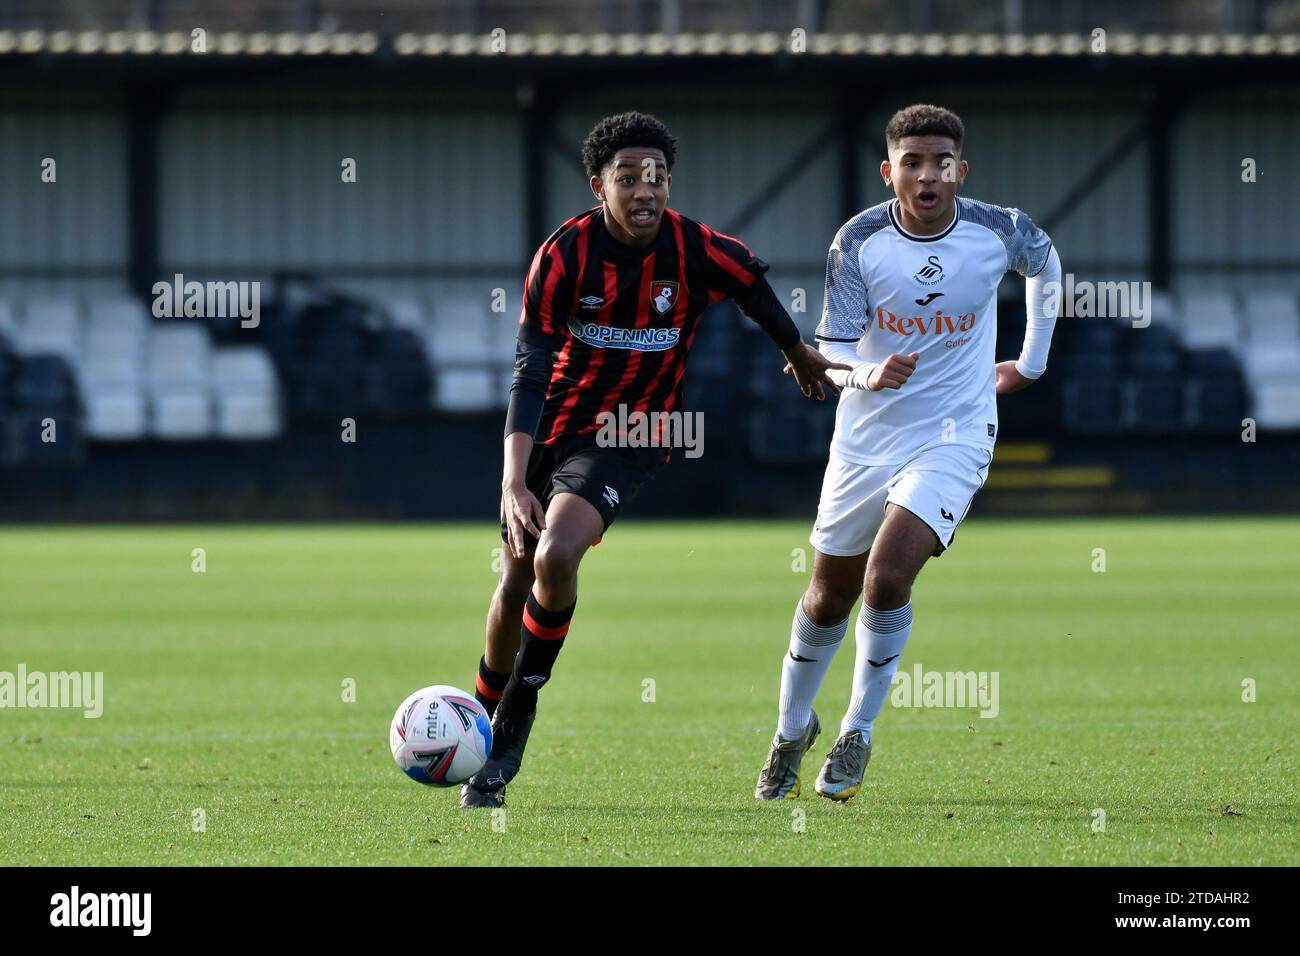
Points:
x=540 y=640
x=489 y=686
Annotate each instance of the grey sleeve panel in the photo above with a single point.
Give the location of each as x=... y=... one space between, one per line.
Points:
x=1027 y=246
x=844 y=310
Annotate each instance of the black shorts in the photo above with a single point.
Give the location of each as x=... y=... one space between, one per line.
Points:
x=608 y=477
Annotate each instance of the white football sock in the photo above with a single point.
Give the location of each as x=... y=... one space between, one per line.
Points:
x=810 y=654
x=881 y=636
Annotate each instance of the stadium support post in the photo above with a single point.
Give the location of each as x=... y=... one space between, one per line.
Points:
x=145 y=109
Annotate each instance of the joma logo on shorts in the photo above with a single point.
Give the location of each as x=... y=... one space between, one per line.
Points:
x=941 y=323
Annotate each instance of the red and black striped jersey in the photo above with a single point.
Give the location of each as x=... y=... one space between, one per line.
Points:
x=621 y=319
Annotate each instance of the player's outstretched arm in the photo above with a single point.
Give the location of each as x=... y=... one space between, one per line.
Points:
x=739 y=274
x=812 y=370
x=808 y=366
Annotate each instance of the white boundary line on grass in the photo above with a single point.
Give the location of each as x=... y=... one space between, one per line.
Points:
x=575 y=731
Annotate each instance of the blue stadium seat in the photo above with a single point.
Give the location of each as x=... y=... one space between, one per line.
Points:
x=1212 y=362
x=8 y=451
x=1096 y=335
x=1091 y=365
x=28 y=442
x=711 y=353
x=1153 y=352
x=398 y=388
x=327 y=387
x=787 y=433
x=338 y=341
x=8 y=369
x=44 y=383
x=1091 y=407
x=1214 y=403
x=1153 y=405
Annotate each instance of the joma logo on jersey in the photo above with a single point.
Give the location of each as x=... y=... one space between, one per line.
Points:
x=939 y=324
x=613 y=337
x=930 y=273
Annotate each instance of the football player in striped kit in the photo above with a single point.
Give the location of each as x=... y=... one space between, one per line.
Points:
x=612 y=304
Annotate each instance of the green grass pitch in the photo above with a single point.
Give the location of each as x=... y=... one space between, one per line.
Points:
x=1119 y=692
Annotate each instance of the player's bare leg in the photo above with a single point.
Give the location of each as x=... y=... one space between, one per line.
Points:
x=506 y=613
x=901 y=547
x=835 y=587
x=820 y=620
x=572 y=524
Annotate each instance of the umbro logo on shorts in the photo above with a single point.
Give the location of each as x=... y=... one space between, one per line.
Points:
x=611 y=496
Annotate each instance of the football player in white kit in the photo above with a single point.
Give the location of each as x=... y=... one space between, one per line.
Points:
x=911 y=305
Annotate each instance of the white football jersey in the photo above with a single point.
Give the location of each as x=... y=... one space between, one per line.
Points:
x=891 y=292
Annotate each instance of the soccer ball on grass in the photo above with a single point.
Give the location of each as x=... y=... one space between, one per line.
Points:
x=441 y=736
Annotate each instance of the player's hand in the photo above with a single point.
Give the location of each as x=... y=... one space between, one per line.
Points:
x=893 y=372
x=809 y=369
x=1009 y=378
x=522 y=512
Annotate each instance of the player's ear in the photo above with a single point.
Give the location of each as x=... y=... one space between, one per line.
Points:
x=962 y=169
x=668 y=184
x=598 y=188
x=885 y=170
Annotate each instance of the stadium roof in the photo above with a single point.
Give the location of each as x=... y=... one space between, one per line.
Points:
x=501 y=43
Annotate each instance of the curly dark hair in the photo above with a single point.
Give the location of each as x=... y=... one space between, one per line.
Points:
x=922 y=119
x=626 y=129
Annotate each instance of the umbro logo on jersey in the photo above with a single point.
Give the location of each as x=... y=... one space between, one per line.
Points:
x=611 y=496
x=881 y=663
x=929 y=298
x=930 y=273
x=663 y=295
x=947 y=515
x=591 y=301
x=802 y=660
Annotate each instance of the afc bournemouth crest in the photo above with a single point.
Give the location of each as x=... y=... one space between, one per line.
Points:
x=663 y=296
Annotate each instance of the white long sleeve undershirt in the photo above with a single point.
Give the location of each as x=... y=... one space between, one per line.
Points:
x=1040 y=317
x=847 y=353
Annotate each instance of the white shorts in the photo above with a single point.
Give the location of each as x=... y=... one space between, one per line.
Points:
x=937 y=485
